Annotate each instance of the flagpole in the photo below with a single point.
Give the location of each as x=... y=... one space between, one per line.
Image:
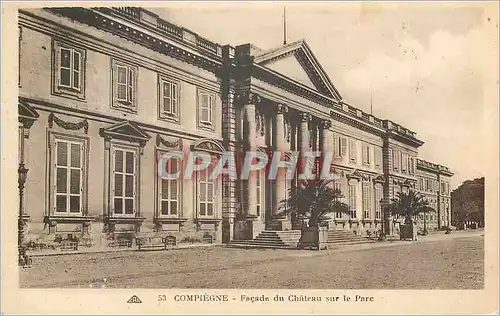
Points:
x=284 y=25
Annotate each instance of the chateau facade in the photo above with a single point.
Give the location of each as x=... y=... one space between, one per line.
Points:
x=104 y=91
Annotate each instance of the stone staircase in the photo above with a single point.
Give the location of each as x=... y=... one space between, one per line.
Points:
x=343 y=237
x=287 y=239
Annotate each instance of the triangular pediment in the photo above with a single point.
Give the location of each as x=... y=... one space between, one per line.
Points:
x=126 y=130
x=297 y=62
x=355 y=174
x=290 y=67
x=26 y=111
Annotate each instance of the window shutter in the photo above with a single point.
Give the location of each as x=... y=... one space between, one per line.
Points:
x=76 y=70
x=115 y=82
x=174 y=97
x=131 y=85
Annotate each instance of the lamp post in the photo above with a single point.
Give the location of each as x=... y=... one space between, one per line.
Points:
x=23 y=258
x=382 y=227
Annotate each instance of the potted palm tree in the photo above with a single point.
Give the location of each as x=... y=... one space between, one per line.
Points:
x=408 y=206
x=312 y=201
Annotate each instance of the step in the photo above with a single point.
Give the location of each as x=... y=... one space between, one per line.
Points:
x=258 y=242
x=250 y=246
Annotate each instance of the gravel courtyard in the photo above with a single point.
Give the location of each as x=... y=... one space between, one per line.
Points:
x=451 y=263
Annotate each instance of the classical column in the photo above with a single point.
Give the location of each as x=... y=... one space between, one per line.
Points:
x=304 y=139
x=326 y=144
x=304 y=131
x=326 y=136
x=280 y=145
x=249 y=139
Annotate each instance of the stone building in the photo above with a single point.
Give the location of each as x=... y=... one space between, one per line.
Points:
x=434 y=185
x=104 y=91
x=468 y=204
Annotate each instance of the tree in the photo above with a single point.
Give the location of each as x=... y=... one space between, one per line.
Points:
x=409 y=205
x=313 y=200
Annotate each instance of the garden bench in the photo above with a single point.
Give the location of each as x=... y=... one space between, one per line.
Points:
x=155 y=242
x=208 y=239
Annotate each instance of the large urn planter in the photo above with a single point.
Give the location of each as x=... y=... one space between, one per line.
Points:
x=314 y=238
x=408 y=231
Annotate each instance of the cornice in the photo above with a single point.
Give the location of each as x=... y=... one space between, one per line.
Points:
x=58 y=30
x=97 y=20
x=355 y=123
x=412 y=141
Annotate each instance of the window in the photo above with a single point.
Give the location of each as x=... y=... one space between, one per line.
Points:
x=378 y=198
x=206 y=106
x=170 y=190
x=395 y=159
x=337 y=185
x=352 y=150
x=124 y=85
x=206 y=194
x=124 y=178
x=366 y=202
x=169 y=100
x=378 y=157
x=68 y=70
x=352 y=200
x=404 y=162
x=366 y=154
x=340 y=146
x=69 y=176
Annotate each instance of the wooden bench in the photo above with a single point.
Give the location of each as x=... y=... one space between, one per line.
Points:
x=161 y=243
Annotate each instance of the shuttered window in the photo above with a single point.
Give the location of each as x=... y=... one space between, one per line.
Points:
x=69 y=176
x=352 y=150
x=124 y=182
x=206 y=106
x=169 y=99
x=206 y=193
x=169 y=190
x=378 y=198
x=378 y=157
x=352 y=200
x=124 y=85
x=366 y=202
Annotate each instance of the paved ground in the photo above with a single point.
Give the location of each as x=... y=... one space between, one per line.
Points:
x=434 y=262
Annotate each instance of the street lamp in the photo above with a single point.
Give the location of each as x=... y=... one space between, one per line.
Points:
x=23 y=258
x=382 y=227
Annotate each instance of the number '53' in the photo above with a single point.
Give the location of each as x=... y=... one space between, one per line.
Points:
x=162 y=298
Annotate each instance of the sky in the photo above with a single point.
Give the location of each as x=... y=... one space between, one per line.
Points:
x=424 y=65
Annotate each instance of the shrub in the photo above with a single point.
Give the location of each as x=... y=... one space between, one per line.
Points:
x=382 y=237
